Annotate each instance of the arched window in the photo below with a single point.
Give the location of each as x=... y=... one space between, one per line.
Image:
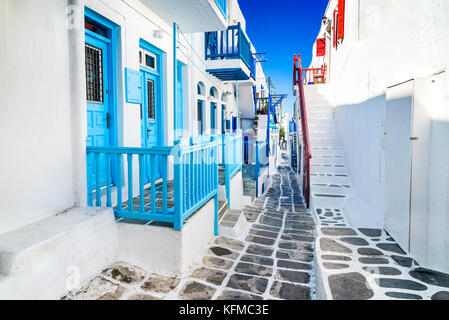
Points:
x=213 y=92
x=201 y=88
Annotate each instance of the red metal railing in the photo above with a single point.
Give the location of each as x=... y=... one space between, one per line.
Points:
x=307 y=153
x=314 y=75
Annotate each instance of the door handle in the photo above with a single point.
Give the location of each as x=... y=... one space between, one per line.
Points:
x=414 y=138
x=108 y=117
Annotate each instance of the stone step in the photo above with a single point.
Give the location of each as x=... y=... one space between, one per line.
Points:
x=233 y=224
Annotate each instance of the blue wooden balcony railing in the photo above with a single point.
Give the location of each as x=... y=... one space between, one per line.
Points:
x=195 y=180
x=232 y=153
x=222 y=5
x=231 y=43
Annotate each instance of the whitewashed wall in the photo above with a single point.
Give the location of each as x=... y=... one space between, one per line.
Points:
x=35 y=114
x=43 y=130
x=386 y=43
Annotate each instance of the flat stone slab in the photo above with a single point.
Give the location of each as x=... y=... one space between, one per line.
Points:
x=385 y=271
x=100 y=288
x=370 y=252
x=260 y=240
x=372 y=233
x=271 y=221
x=431 y=277
x=230 y=243
x=294 y=255
x=254 y=269
x=403 y=261
x=335 y=266
x=160 y=284
x=391 y=247
x=223 y=252
x=442 y=295
x=335 y=258
x=300 y=246
x=257 y=260
x=290 y=291
x=403 y=296
x=248 y=283
x=350 y=286
x=338 y=231
x=197 y=291
x=263 y=233
x=215 y=277
x=374 y=261
x=293 y=265
x=259 y=250
x=355 y=241
x=400 y=284
x=218 y=263
x=125 y=273
x=293 y=237
x=330 y=245
x=293 y=276
x=235 y=295
x=142 y=297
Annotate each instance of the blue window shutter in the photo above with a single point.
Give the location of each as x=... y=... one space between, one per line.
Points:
x=133 y=86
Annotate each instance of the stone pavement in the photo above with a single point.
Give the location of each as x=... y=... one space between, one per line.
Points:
x=360 y=264
x=272 y=260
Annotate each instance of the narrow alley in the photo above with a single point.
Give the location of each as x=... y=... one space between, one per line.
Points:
x=272 y=260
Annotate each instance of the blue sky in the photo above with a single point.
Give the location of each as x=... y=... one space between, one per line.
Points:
x=282 y=28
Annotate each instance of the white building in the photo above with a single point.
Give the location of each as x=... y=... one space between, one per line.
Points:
x=96 y=80
x=386 y=87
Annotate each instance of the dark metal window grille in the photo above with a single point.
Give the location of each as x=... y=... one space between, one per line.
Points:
x=151 y=102
x=94 y=74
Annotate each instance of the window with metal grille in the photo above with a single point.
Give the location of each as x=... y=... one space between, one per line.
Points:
x=151 y=103
x=94 y=74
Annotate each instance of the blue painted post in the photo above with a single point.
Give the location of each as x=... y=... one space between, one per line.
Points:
x=175 y=75
x=89 y=181
x=141 y=184
x=130 y=183
x=97 y=180
x=108 y=181
x=256 y=169
x=178 y=185
x=237 y=105
x=215 y=170
x=227 y=168
x=119 y=182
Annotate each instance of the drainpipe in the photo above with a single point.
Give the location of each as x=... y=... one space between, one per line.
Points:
x=75 y=16
x=175 y=75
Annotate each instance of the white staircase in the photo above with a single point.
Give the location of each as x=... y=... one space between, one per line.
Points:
x=329 y=176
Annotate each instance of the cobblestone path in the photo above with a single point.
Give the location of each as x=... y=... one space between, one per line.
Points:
x=272 y=260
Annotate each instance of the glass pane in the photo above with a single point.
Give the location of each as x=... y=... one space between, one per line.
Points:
x=150 y=61
x=94 y=74
x=151 y=102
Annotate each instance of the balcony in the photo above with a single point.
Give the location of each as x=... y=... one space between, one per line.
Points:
x=228 y=55
x=192 y=16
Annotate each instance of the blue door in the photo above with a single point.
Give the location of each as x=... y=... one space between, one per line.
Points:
x=213 y=117
x=98 y=108
x=149 y=116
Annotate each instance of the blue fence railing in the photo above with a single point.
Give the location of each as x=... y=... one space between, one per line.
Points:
x=231 y=43
x=194 y=180
x=232 y=157
x=222 y=5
